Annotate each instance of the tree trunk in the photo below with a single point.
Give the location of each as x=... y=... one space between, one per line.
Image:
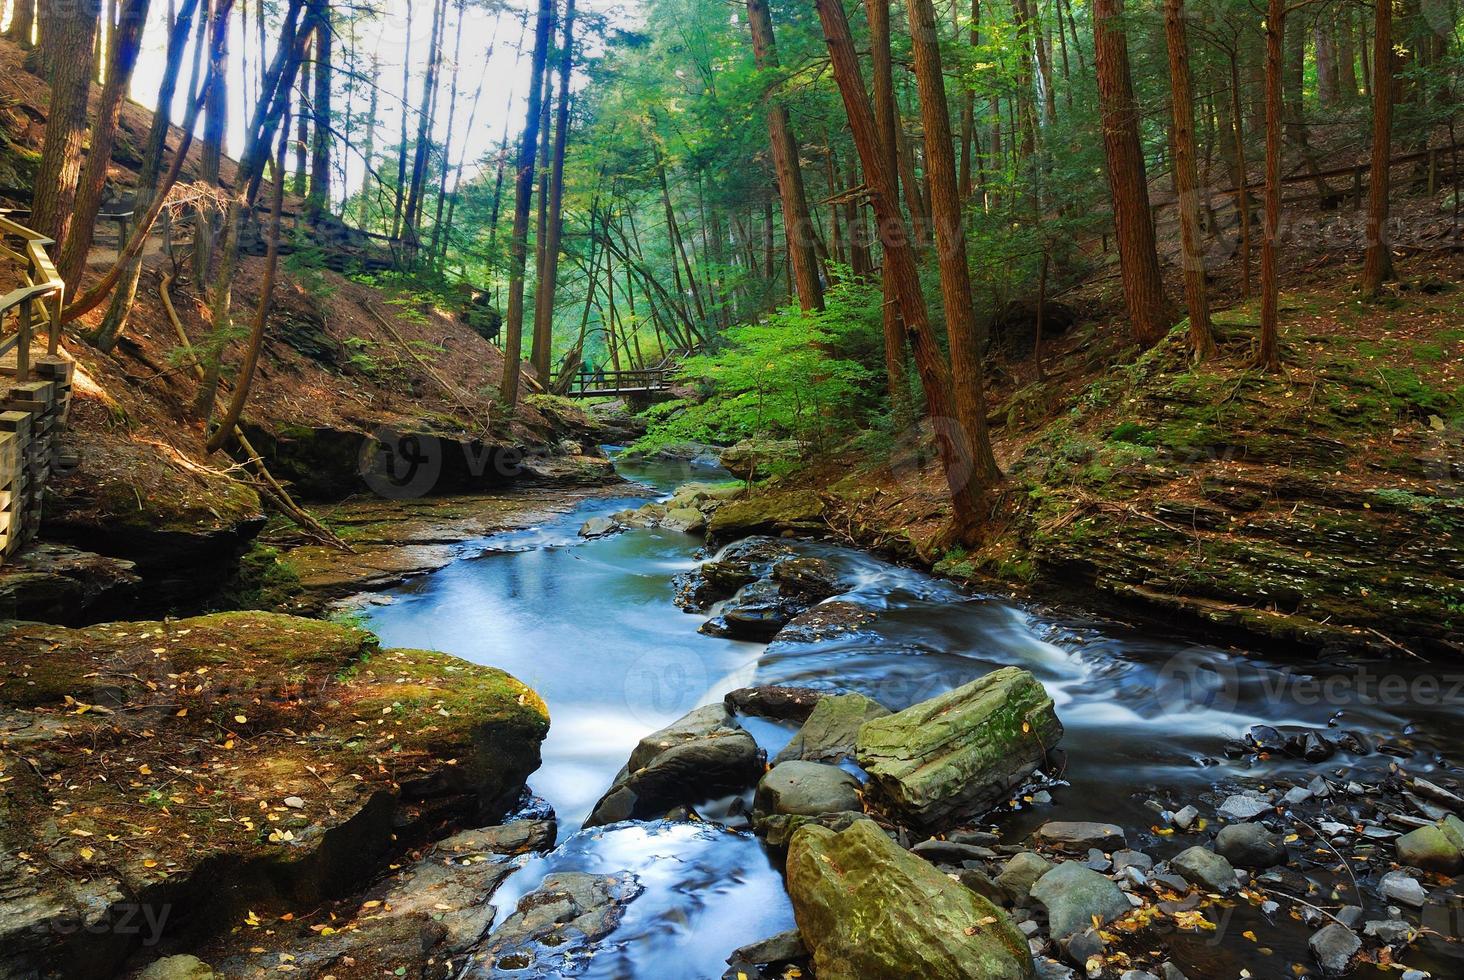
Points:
x=368 y=152
x=411 y=221
x=1378 y=263
x=215 y=127
x=965 y=338
x=122 y=59
x=1242 y=167
x=797 y=226
x=523 y=192
x=71 y=27
x=554 y=230
x=1187 y=182
x=401 y=181
x=1268 y=357
x=318 y=202
x=1143 y=287
x=452 y=107
x=955 y=452
x=22 y=22
x=181 y=26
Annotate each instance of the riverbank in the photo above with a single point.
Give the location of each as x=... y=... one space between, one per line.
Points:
x=1314 y=510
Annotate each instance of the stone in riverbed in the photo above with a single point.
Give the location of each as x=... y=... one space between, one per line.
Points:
x=1398 y=886
x=870 y=910
x=1020 y=874
x=767 y=513
x=685 y=519
x=832 y=728
x=1437 y=847
x=1334 y=948
x=1243 y=807
x=777 y=703
x=806 y=789
x=557 y=924
x=958 y=755
x=1250 y=845
x=1080 y=836
x=757 y=612
x=177 y=968
x=782 y=948
x=1073 y=895
x=598 y=527
x=1205 y=869
x=701 y=754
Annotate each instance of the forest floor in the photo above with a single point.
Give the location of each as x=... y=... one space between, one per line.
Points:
x=1317 y=507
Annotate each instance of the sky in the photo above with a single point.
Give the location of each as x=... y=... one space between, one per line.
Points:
x=491 y=50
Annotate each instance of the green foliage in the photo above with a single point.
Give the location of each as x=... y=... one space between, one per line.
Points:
x=792 y=375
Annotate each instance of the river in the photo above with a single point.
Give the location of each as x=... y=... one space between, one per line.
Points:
x=591 y=625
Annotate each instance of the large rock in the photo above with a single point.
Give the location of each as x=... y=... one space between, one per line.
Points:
x=1204 y=868
x=55 y=584
x=1437 y=847
x=767 y=513
x=756 y=459
x=1074 y=895
x=832 y=728
x=956 y=756
x=757 y=612
x=278 y=762
x=1250 y=845
x=1019 y=875
x=696 y=757
x=1081 y=835
x=775 y=702
x=806 y=789
x=1334 y=947
x=870 y=910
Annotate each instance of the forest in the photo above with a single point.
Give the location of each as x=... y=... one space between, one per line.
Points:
x=759 y=489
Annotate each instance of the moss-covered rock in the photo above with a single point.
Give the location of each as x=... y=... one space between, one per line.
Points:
x=773 y=512
x=149 y=762
x=957 y=755
x=870 y=910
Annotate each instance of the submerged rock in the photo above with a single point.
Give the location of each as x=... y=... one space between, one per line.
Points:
x=957 y=755
x=870 y=910
x=775 y=702
x=699 y=755
x=1333 y=948
x=557 y=924
x=832 y=729
x=1437 y=847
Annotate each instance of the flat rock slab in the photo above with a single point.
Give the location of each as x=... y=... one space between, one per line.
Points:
x=1081 y=835
x=832 y=729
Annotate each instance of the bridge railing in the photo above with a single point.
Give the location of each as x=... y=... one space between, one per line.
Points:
x=587 y=383
x=35 y=398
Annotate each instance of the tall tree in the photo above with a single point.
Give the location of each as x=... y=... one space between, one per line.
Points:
x=523 y=192
x=549 y=271
x=877 y=12
x=1143 y=287
x=320 y=110
x=215 y=128
x=421 y=156
x=1378 y=262
x=797 y=223
x=22 y=22
x=1268 y=357
x=950 y=440
x=121 y=60
x=967 y=382
x=70 y=25
x=1187 y=181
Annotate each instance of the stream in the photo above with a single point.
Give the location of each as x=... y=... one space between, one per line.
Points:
x=591 y=625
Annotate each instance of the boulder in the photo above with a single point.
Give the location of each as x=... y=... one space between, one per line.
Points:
x=1250 y=845
x=1080 y=835
x=806 y=789
x=734 y=567
x=757 y=459
x=686 y=519
x=956 y=756
x=55 y=584
x=556 y=925
x=1398 y=886
x=1437 y=847
x=777 y=703
x=1020 y=874
x=1073 y=895
x=701 y=754
x=598 y=527
x=177 y=968
x=870 y=910
x=768 y=513
x=782 y=948
x=757 y=612
x=832 y=728
x=1334 y=948
x=1242 y=806
x=1205 y=869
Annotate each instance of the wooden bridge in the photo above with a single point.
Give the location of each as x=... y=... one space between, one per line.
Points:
x=636 y=382
x=35 y=392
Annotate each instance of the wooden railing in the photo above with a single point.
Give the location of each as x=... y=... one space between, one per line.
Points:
x=39 y=301
x=635 y=381
x=35 y=398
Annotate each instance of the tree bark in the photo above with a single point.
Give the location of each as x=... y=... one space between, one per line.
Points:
x=72 y=27
x=215 y=128
x=1378 y=262
x=964 y=336
x=549 y=278
x=122 y=59
x=401 y=181
x=1133 y=221
x=22 y=22
x=320 y=110
x=1268 y=356
x=955 y=452
x=797 y=225
x=411 y=227
x=1187 y=181
x=523 y=192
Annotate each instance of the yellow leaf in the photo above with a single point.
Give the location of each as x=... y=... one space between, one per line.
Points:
x=86 y=853
x=240 y=719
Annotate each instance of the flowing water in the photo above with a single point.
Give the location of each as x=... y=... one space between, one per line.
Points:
x=592 y=627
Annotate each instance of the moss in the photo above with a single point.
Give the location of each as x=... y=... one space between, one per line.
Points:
x=265 y=579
